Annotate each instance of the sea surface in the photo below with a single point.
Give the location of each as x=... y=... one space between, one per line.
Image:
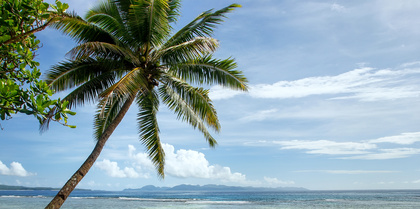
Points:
x=221 y=200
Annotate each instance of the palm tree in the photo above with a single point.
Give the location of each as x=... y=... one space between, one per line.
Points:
x=127 y=54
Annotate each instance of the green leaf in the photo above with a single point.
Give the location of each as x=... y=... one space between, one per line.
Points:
x=65 y=7
x=4 y=38
x=45 y=16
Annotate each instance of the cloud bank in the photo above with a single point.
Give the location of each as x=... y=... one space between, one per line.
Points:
x=15 y=169
x=113 y=170
x=364 y=150
x=363 y=84
x=189 y=163
x=276 y=182
x=347 y=171
x=179 y=163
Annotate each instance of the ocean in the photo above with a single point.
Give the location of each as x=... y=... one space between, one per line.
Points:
x=394 y=199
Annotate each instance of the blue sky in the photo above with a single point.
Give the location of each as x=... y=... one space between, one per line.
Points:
x=333 y=104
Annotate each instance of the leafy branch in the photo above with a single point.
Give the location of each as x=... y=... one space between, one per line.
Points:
x=21 y=90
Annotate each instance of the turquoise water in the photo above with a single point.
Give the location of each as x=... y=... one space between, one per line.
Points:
x=220 y=200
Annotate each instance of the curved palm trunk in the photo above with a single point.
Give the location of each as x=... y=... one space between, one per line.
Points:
x=82 y=171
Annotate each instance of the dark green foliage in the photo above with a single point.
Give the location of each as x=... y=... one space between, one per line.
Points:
x=21 y=90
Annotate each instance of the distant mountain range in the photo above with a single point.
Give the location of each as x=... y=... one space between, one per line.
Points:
x=182 y=187
x=7 y=187
x=212 y=187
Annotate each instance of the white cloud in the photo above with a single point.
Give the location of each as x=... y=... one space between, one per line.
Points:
x=404 y=138
x=398 y=16
x=366 y=84
x=276 y=182
x=346 y=171
x=218 y=92
x=180 y=163
x=337 y=7
x=364 y=150
x=141 y=159
x=112 y=169
x=416 y=182
x=386 y=154
x=363 y=84
x=327 y=147
x=189 y=163
x=16 y=169
x=389 y=182
x=260 y=115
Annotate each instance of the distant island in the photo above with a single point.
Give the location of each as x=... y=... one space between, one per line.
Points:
x=7 y=187
x=212 y=188
x=182 y=187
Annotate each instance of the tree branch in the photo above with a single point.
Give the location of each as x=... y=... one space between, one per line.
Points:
x=24 y=35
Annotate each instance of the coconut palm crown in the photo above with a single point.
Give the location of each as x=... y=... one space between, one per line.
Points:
x=126 y=53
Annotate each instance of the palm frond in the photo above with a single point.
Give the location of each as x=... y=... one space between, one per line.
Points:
x=135 y=14
x=210 y=71
x=123 y=8
x=104 y=50
x=201 y=26
x=149 y=21
x=69 y=74
x=131 y=83
x=90 y=90
x=107 y=16
x=173 y=13
x=187 y=50
x=149 y=130
x=107 y=110
x=158 y=23
x=191 y=105
x=82 y=31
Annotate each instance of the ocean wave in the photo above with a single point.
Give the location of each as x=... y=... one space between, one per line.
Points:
x=213 y=202
x=23 y=196
x=12 y=196
x=336 y=200
x=188 y=201
x=85 y=197
x=152 y=199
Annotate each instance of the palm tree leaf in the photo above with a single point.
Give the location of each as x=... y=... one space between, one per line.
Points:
x=149 y=19
x=135 y=13
x=149 y=130
x=108 y=16
x=90 y=90
x=173 y=13
x=82 y=31
x=105 y=15
x=157 y=22
x=191 y=105
x=69 y=74
x=107 y=109
x=90 y=77
x=130 y=83
x=206 y=70
x=102 y=49
x=187 y=50
x=201 y=26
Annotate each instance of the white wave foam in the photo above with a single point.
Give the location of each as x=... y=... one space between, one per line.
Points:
x=336 y=200
x=212 y=202
x=11 y=196
x=84 y=197
x=152 y=199
x=21 y=196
